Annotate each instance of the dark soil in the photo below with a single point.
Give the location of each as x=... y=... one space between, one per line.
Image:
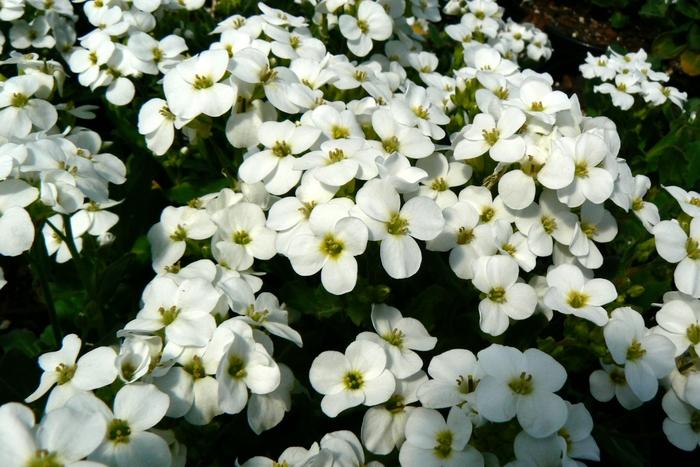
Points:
x=585 y=23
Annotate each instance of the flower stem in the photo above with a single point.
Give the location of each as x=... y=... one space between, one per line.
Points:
x=39 y=258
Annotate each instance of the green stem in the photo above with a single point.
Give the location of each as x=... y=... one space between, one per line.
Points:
x=39 y=257
x=67 y=238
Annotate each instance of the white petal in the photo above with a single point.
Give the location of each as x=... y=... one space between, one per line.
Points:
x=339 y=276
x=141 y=405
x=400 y=255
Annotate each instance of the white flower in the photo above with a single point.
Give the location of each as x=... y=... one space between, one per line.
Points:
x=292 y=45
x=646 y=357
x=611 y=382
x=334 y=241
x=575 y=435
x=464 y=238
x=290 y=216
x=689 y=201
x=657 y=94
x=553 y=169
x=275 y=164
x=245 y=365
x=539 y=451
x=64 y=436
x=398 y=171
x=97 y=48
x=597 y=225
x=371 y=23
x=11 y=10
x=267 y=313
x=399 y=337
x=545 y=223
x=597 y=67
x=513 y=244
x=342 y=448
x=498 y=138
x=251 y=66
x=136 y=354
x=433 y=442
x=497 y=278
x=571 y=293
x=489 y=209
x=645 y=211
x=416 y=108
x=93 y=370
x=679 y=320
x=136 y=408
x=156 y=55
x=157 y=123
x=675 y=246
x=681 y=425
x=242 y=127
x=395 y=137
x=182 y=309
x=242 y=234
x=383 y=427
x=293 y=456
x=265 y=411
x=16 y=227
x=192 y=390
x=95 y=219
x=177 y=224
x=522 y=385
x=357 y=377
x=193 y=87
x=54 y=242
x=340 y=160
x=621 y=92
x=442 y=175
x=379 y=206
x=34 y=34
x=455 y=375
x=590 y=182
x=484 y=58
x=277 y=17
x=537 y=99
x=336 y=124
x=20 y=111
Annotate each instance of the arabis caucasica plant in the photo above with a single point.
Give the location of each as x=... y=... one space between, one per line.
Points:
x=371 y=211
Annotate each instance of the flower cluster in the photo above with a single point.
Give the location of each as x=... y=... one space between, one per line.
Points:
x=626 y=76
x=51 y=174
x=380 y=155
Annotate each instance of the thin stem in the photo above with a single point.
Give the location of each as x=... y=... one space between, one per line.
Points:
x=39 y=257
x=67 y=238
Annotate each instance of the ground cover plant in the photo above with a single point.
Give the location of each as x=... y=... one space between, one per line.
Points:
x=342 y=233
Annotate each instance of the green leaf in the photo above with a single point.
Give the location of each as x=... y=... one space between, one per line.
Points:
x=142 y=250
x=689 y=8
x=69 y=303
x=690 y=63
x=617 y=450
x=23 y=340
x=20 y=375
x=664 y=46
x=654 y=8
x=112 y=276
x=619 y=20
x=48 y=338
x=184 y=192
x=692 y=152
x=611 y=3
x=694 y=38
